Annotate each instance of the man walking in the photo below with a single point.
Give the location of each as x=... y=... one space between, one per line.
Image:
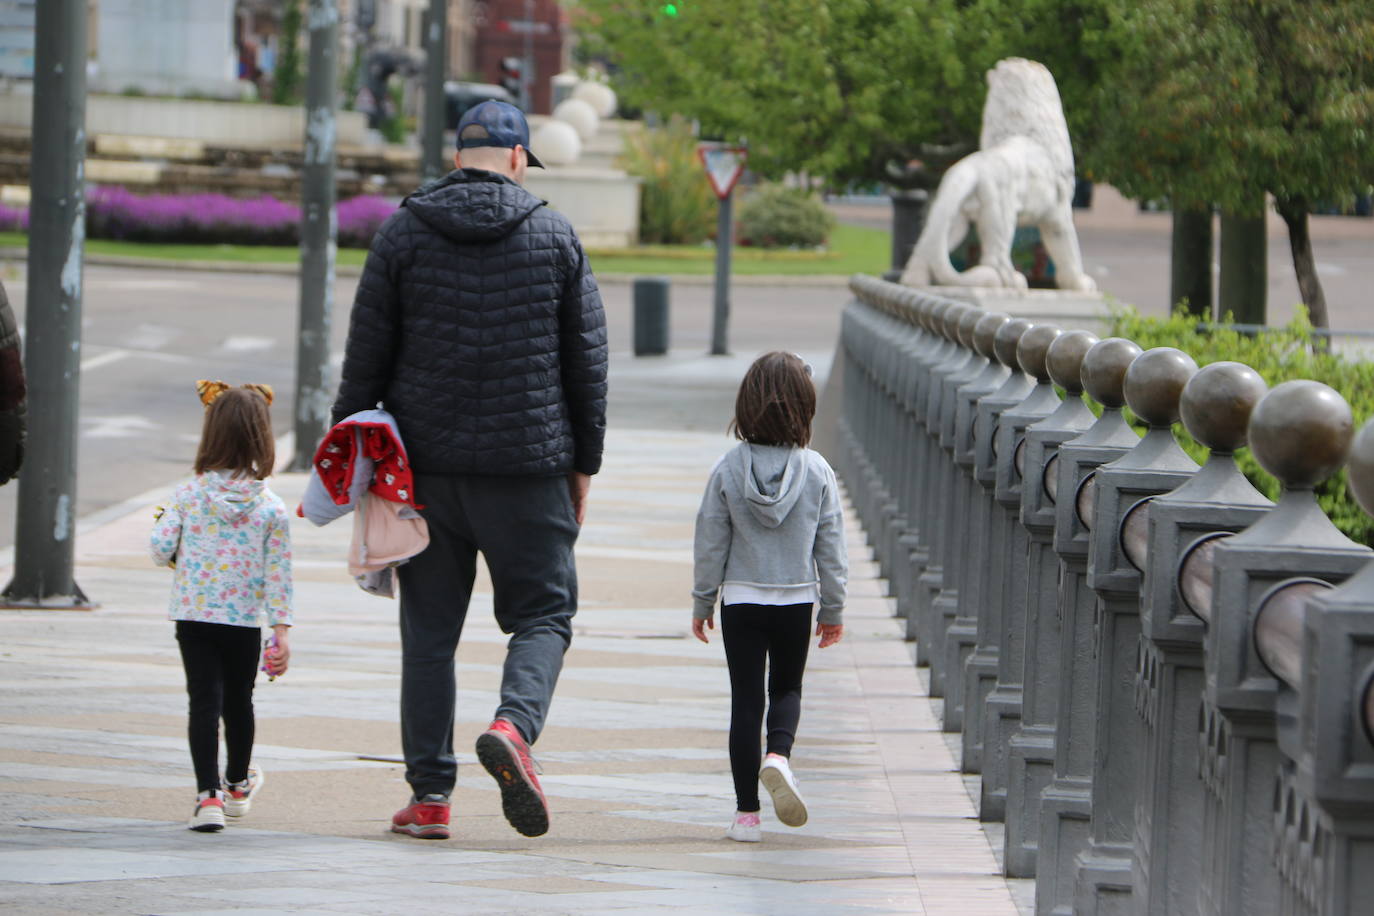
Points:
x=478 y=325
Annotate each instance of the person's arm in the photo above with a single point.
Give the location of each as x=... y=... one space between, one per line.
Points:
x=165 y=539
x=710 y=550
x=276 y=570
x=832 y=564
x=583 y=356
x=373 y=327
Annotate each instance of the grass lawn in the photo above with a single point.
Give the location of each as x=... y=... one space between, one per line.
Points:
x=854 y=249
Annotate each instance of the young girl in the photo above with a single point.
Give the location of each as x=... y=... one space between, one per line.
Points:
x=770 y=543
x=226 y=536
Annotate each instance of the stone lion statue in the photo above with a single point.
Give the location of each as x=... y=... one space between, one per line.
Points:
x=1021 y=175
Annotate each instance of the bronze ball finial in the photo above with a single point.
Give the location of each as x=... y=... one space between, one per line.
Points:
x=1361 y=467
x=1005 y=340
x=1301 y=432
x=935 y=314
x=1065 y=359
x=949 y=327
x=1154 y=383
x=967 y=323
x=985 y=331
x=1034 y=347
x=1216 y=404
x=1104 y=370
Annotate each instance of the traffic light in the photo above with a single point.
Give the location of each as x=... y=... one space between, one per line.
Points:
x=670 y=10
x=513 y=77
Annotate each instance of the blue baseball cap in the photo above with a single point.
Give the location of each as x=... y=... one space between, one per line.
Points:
x=496 y=123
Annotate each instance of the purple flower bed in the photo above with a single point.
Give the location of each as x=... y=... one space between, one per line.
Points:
x=117 y=213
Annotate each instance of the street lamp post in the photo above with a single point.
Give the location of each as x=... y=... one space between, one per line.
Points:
x=44 y=547
x=436 y=47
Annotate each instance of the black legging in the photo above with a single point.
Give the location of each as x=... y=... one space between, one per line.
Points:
x=221 y=663
x=759 y=636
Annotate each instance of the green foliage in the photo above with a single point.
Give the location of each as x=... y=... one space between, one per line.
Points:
x=676 y=205
x=289 y=73
x=776 y=216
x=1278 y=355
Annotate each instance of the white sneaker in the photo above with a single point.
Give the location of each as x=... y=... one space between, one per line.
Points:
x=209 y=814
x=238 y=796
x=746 y=828
x=777 y=778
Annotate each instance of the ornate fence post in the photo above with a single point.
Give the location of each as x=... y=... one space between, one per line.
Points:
x=1067 y=801
x=1300 y=432
x=937 y=606
x=1215 y=409
x=982 y=666
x=962 y=634
x=1032 y=745
x=1154 y=383
x=1324 y=827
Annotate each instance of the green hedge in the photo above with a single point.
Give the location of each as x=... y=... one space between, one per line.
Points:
x=1278 y=355
x=775 y=216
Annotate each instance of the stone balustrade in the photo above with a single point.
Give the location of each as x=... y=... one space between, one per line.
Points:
x=1164 y=680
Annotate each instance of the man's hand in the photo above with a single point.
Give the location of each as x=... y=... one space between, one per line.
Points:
x=830 y=633
x=699 y=626
x=578 y=486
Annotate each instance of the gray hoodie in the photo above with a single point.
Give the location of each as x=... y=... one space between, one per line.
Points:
x=771 y=517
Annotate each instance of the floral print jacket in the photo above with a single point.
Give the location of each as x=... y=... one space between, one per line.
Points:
x=228 y=540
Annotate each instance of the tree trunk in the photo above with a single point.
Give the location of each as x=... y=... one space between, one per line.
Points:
x=1244 y=282
x=1294 y=213
x=1190 y=274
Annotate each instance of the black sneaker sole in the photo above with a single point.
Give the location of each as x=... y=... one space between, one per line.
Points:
x=521 y=802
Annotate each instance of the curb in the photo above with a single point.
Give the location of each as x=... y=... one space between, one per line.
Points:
x=349 y=270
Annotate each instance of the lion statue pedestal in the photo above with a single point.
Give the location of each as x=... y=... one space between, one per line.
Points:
x=1021 y=175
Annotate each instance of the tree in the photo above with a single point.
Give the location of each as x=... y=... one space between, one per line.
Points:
x=289 y=72
x=1222 y=101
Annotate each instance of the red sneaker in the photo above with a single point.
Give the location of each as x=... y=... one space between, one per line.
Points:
x=507 y=758
x=425 y=818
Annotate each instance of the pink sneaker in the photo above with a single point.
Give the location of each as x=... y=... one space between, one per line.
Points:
x=746 y=828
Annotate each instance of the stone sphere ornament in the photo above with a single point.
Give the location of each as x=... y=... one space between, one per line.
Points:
x=1005 y=341
x=985 y=331
x=1361 y=467
x=598 y=95
x=580 y=115
x=1104 y=370
x=1216 y=404
x=950 y=326
x=1065 y=359
x=1154 y=383
x=1034 y=347
x=967 y=323
x=556 y=143
x=1301 y=432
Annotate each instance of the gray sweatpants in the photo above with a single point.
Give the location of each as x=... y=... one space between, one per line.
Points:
x=525 y=528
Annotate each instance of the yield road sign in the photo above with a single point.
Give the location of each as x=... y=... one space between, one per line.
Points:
x=724 y=165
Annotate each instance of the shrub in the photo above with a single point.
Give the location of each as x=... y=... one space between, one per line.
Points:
x=676 y=205
x=1278 y=355
x=359 y=218
x=774 y=216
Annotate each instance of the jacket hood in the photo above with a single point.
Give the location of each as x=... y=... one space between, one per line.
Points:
x=771 y=477
x=472 y=205
x=232 y=497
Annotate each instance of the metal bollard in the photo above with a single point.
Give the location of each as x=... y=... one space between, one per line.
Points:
x=962 y=634
x=1215 y=408
x=1066 y=803
x=1300 y=432
x=651 y=316
x=1324 y=822
x=980 y=671
x=1031 y=747
x=1154 y=383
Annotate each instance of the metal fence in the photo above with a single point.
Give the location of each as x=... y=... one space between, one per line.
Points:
x=1165 y=681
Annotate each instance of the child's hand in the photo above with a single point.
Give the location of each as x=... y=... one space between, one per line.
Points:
x=830 y=633
x=699 y=626
x=276 y=659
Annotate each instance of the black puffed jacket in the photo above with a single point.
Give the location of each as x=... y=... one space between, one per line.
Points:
x=479 y=326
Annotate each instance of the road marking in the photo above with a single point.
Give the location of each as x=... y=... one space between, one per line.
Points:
x=126 y=426
x=247 y=344
x=104 y=359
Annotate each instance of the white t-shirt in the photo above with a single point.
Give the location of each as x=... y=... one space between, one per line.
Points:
x=734 y=593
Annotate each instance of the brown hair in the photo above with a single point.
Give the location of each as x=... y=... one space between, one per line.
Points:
x=776 y=401
x=237 y=435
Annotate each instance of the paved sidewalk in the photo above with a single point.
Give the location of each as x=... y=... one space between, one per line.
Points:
x=95 y=779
